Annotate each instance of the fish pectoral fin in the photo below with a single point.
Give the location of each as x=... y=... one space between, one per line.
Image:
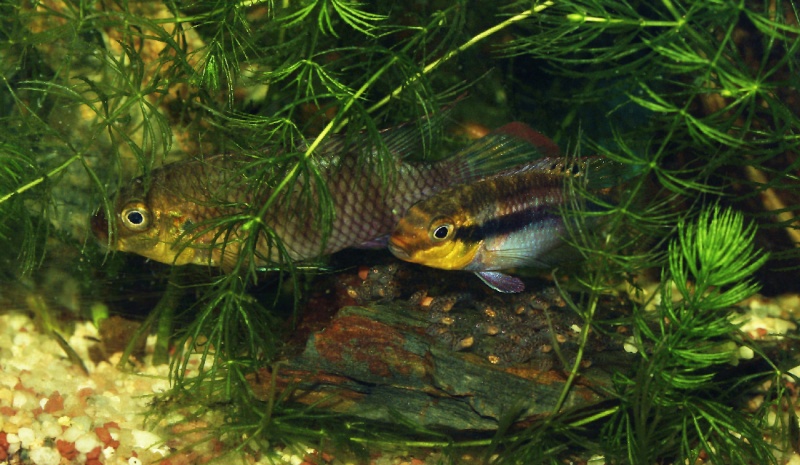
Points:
x=519 y=255
x=505 y=257
x=501 y=282
x=549 y=257
x=380 y=242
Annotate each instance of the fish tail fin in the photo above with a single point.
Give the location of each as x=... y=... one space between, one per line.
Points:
x=507 y=147
x=604 y=173
x=600 y=184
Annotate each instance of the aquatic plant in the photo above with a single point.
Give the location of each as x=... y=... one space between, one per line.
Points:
x=679 y=400
x=700 y=96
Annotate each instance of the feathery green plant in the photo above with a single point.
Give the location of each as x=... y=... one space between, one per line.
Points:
x=673 y=404
x=699 y=96
x=677 y=381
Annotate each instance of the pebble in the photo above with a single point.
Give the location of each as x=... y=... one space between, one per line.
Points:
x=26 y=437
x=72 y=434
x=12 y=438
x=145 y=439
x=87 y=442
x=45 y=456
x=20 y=399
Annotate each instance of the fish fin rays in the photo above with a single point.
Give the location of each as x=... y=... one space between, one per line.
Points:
x=380 y=242
x=519 y=255
x=501 y=282
x=522 y=131
x=407 y=140
x=503 y=150
x=527 y=257
x=604 y=173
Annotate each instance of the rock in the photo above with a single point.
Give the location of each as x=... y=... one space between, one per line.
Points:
x=379 y=361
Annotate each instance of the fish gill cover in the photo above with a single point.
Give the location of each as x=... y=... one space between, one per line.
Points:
x=700 y=96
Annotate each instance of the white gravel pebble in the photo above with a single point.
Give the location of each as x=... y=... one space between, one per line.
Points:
x=71 y=434
x=109 y=453
x=49 y=428
x=26 y=437
x=86 y=442
x=45 y=456
x=12 y=438
x=20 y=399
x=8 y=380
x=145 y=439
x=13 y=443
x=82 y=422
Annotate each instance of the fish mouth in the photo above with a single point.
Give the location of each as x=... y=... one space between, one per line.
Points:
x=399 y=248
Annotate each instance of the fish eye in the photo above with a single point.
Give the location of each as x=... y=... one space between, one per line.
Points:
x=135 y=217
x=441 y=232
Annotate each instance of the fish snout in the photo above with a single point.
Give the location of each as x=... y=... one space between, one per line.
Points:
x=399 y=248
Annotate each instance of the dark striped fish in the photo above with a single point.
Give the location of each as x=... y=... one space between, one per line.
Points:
x=203 y=211
x=505 y=221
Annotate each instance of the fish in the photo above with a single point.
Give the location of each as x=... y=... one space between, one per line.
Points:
x=509 y=220
x=210 y=211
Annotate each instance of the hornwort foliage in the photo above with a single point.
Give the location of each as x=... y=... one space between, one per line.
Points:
x=698 y=97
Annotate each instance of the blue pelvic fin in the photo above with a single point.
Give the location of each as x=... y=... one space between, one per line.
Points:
x=501 y=282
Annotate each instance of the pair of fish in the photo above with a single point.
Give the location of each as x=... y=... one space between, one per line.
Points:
x=210 y=211
x=489 y=207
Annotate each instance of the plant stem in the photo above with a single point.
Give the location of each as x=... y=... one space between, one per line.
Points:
x=40 y=179
x=588 y=316
x=452 y=53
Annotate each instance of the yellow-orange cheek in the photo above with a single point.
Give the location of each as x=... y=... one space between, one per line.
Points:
x=454 y=256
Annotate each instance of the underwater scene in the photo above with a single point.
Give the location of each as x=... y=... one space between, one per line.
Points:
x=399 y=233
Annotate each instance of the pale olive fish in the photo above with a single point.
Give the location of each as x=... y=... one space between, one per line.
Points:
x=505 y=221
x=202 y=211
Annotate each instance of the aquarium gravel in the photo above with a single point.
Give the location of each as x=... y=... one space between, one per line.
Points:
x=52 y=412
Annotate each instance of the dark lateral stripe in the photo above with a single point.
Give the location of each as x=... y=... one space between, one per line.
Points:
x=505 y=224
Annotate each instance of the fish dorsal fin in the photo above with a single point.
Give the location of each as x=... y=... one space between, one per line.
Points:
x=522 y=131
x=512 y=148
x=408 y=139
x=501 y=282
x=596 y=171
